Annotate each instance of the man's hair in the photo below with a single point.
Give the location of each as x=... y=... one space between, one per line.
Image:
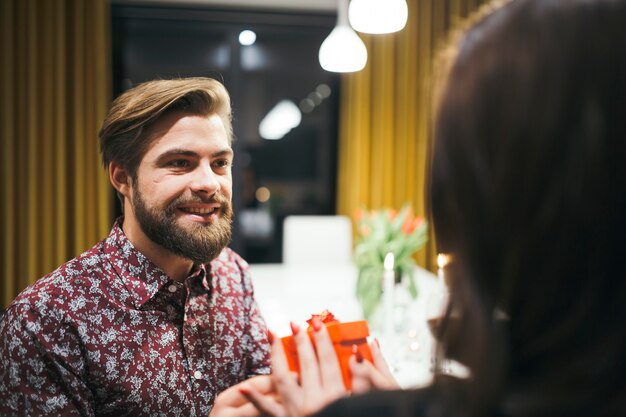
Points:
x=123 y=136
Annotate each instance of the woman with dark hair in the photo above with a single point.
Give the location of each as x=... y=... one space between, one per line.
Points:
x=528 y=192
x=529 y=195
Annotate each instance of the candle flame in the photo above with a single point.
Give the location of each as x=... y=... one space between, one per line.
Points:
x=442 y=260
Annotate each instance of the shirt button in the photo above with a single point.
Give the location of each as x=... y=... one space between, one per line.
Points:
x=197 y=374
x=172 y=288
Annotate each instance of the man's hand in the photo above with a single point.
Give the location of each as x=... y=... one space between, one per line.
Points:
x=232 y=403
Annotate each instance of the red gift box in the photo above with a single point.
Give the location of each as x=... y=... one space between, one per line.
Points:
x=343 y=337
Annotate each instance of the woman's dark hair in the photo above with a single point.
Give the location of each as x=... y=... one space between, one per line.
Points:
x=528 y=194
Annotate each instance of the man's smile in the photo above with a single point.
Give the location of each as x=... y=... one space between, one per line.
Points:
x=201 y=213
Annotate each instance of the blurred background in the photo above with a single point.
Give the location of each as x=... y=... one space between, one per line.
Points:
x=362 y=139
x=272 y=177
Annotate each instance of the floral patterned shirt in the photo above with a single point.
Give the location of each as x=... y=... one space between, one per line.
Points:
x=109 y=334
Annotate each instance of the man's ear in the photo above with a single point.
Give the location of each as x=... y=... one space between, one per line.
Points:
x=120 y=179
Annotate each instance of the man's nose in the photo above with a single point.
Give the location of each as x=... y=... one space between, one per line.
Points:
x=205 y=180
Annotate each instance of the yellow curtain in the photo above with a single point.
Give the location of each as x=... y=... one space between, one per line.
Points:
x=55 y=199
x=385 y=114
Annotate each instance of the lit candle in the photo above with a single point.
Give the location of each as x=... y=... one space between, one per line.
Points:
x=442 y=260
x=389 y=278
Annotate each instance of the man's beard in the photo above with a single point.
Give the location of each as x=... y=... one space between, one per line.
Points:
x=199 y=242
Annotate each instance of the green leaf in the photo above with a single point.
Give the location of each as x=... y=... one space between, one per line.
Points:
x=384 y=235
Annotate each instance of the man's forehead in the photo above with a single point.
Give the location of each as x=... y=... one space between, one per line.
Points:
x=180 y=119
x=189 y=132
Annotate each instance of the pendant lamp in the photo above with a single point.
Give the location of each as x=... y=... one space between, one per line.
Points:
x=343 y=50
x=378 y=16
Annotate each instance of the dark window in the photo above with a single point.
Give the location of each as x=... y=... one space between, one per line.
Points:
x=299 y=170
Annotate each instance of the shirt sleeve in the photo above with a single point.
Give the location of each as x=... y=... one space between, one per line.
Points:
x=42 y=371
x=256 y=339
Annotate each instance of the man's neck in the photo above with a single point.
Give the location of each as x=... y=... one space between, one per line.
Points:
x=174 y=266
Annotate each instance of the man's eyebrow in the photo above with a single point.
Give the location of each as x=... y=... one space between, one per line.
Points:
x=186 y=152
x=224 y=152
x=170 y=153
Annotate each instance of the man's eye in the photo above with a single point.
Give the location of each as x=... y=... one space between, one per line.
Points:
x=179 y=163
x=222 y=163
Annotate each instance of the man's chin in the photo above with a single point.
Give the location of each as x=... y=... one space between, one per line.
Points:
x=194 y=227
x=196 y=247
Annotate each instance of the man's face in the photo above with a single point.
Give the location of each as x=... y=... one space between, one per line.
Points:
x=182 y=192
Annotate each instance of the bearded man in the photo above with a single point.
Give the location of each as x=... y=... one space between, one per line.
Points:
x=159 y=317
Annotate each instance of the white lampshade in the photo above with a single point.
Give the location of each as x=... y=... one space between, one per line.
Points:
x=378 y=16
x=343 y=50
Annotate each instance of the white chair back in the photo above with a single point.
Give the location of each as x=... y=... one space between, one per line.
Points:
x=317 y=240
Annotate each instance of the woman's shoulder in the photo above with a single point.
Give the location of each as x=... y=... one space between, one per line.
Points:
x=424 y=402
x=414 y=403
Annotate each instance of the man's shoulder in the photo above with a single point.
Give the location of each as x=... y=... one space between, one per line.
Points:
x=72 y=279
x=230 y=272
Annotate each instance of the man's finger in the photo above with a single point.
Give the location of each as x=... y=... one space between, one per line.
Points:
x=232 y=397
x=260 y=383
x=246 y=410
x=266 y=405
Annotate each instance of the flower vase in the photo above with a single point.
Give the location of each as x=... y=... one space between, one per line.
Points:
x=401 y=321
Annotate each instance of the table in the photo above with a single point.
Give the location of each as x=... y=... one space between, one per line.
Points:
x=287 y=292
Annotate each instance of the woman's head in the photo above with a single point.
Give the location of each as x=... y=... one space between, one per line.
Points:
x=529 y=181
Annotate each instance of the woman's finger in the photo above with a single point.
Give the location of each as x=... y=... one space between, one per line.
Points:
x=285 y=382
x=330 y=371
x=278 y=358
x=309 y=367
x=366 y=377
x=381 y=364
x=282 y=377
x=361 y=379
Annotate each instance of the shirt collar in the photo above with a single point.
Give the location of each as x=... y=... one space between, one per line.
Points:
x=198 y=279
x=140 y=276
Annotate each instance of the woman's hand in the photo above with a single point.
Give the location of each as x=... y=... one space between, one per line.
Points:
x=320 y=376
x=320 y=381
x=367 y=376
